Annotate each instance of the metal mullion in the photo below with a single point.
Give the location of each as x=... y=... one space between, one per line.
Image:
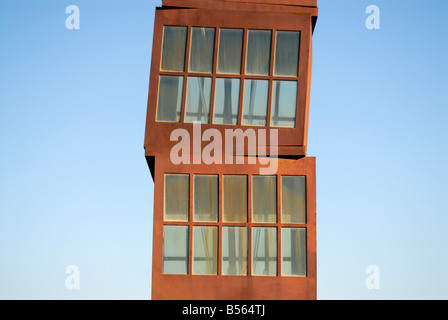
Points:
x=249 y=224
x=175 y=223
x=219 y=244
x=212 y=100
x=279 y=229
x=285 y=78
x=185 y=73
x=213 y=76
x=172 y=73
x=190 y=226
x=271 y=79
x=242 y=76
x=293 y=225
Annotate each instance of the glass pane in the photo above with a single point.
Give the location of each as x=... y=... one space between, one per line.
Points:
x=255 y=104
x=264 y=198
x=198 y=99
x=294 y=252
x=234 y=204
x=170 y=98
x=175 y=250
x=293 y=208
x=205 y=250
x=177 y=188
x=230 y=51
x=234 y=251
x=202 y=49
x=258 y=52
x=284 y=102
x=206 y=198
x=173 y=48
x=287 y=53
x=227 y=98
x=264 y=251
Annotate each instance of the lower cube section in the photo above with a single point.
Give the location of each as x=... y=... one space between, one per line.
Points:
x=229 y=232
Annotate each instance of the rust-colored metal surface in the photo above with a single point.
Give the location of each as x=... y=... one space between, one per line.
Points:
x=291 y=160
x=249 y=287
x=291 y=141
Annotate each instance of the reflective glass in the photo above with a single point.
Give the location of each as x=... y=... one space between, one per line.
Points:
x=287 y=53
x=255 y=103
x=205 y=250
x=205 y=197
x=234 y=203
x=293 y=209
x=202 y=49
x=284 y=102
x=227 y=96
x=170 y=98
x=173 y=48
x=198 y=99
x=234 y=251
x=264 y=198
x=177 y=188
x=230 y=51
x=258 y=52
x=175 y=250
x=264 y=251
x=293 y=252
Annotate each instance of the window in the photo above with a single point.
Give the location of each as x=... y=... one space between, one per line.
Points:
x=234 y=251
x=176 y=197
x=223 y=233
x=229 y=76
x=264 y=251
x=175 y=250
x=205 y=250
x=294 y=251
x=205 y=197
x=264 y=198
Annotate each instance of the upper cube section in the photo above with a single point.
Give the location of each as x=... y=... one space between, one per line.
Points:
x=231 y=64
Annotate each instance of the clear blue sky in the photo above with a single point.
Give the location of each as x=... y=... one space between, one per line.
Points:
x=74 y=184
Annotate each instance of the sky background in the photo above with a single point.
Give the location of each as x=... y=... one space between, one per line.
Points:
x=75 y=188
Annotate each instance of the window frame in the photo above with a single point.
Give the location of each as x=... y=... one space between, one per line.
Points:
x=291 y=140
x=286 y=168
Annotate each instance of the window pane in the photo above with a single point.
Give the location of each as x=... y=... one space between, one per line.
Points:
x=255 y=104
x=177 y=188
x=264 y=251
x=293 y=199
x=264 y=198
x=175 y=250
x=258 y=52
x=173 y=49
x=287 y=53
x=284 y=102
x=227 y=98
x=198 y=99
x=170 y=98
x=206 y=198
x=202 y=49
x=234 y=251
x=234 y=204
x=230 y=51
x=205 y=250
x=294 y=252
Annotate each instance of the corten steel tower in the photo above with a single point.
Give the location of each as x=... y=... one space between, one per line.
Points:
x=225 y=141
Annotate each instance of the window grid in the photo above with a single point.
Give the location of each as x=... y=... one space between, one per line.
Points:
x=250 y=225
x=242 y=75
